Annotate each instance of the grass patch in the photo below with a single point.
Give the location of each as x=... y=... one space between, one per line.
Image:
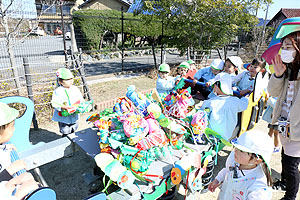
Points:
x=115 y=89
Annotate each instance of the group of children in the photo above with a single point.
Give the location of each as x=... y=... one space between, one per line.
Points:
x=247 y=172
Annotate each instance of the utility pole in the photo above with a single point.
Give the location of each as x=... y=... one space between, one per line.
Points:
x=63 y=32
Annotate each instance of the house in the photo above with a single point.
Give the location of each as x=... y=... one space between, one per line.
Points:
x=283 y=14
x=50 y=15
x=106 y=4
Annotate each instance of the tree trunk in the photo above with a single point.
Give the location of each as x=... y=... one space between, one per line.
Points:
x=153 y=52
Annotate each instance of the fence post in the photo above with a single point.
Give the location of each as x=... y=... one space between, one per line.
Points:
x=80 y=68
x=122 y=22
x=29 y=88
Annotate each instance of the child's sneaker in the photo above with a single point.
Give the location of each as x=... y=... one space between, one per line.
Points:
x=279 y=186
x=276 y=149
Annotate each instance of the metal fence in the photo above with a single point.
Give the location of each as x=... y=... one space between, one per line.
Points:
x=42 y=53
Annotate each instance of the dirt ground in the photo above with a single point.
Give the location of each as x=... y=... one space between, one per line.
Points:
x=66 y=175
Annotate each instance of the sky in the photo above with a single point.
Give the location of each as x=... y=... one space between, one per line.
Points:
x=277 y=5
x=21 y=8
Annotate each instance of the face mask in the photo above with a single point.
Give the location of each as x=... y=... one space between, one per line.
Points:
x=287 y=56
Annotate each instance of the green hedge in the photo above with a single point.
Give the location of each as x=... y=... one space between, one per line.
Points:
x=94 y=23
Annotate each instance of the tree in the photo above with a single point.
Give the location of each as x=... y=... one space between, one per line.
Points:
x=204 y=24
x=13 y=18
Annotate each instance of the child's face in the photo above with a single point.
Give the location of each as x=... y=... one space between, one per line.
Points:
x=254 y=69
x=66 y=83
x=192 y=66
x=182 y=71
x=243 y=158
x=7 y=133
x=163 y=75
x=215 y=71
x=229 y=67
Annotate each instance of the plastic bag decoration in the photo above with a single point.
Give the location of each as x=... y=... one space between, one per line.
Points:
x=76 y=108
x=139 y=100
x=180 y=108
x=156 y=136
x=135 y=127
x=123 y=106
x=199 y=124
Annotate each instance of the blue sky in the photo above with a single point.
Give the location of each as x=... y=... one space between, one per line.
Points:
x=277 y=5
x=22 y=8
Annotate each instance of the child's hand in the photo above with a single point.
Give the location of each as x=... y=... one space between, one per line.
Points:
x=279 y=67
x=11 y=147
x=16 y=166
x=213 y=185
x=243 y=92
x=69 y=109
x=208 y=84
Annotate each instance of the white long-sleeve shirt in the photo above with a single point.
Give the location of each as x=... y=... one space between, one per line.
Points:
x=165 y=85
x=67 y=97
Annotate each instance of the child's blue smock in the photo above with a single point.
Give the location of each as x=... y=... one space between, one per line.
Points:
x=204 y=73
x=67 y=97
x=223 y=113
x=244 y=81
x=165 y=85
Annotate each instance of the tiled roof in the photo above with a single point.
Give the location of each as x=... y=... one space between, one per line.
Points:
x=287 y=12
x=126 y=2
x=291 y=12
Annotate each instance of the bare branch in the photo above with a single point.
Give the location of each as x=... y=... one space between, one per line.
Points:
x=5 y=11
x=17 y=26
x=37 y=21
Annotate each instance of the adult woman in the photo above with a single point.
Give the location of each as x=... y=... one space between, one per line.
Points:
x=285 y=85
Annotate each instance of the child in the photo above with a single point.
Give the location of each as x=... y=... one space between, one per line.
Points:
x=247 y=172
x=165 y=83
x=233 y=65
x=24 y=183
x=245 y=81
x=183 y=68
x=192 y=65
x=224 y=107
x=206 y=75
x=63 y=98
x=273 y=128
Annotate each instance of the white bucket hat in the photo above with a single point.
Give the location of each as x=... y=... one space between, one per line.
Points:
x=7 y=114
x=256 y=142
x=225 y=82
x=236 y=61
x=217 y=64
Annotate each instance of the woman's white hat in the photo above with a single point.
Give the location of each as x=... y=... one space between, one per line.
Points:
x=236 y=61
x=217 y=64
x=257 y=142
x=225 y=82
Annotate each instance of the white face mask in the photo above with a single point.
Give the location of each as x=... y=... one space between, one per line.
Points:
x=287 y=56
